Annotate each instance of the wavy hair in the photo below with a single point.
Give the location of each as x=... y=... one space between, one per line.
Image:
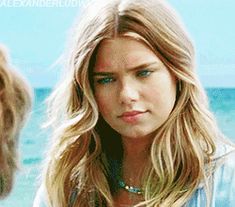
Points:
x=15 y=103
x=81 y=156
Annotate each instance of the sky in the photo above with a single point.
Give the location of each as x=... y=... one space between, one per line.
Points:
x=36 y=37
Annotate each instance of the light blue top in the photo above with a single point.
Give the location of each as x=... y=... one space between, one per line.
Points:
x=222 y=183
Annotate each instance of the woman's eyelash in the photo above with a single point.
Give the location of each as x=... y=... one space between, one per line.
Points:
x=105 y=80
x=144 y=73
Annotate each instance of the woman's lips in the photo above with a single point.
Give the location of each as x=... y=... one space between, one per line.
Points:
x=132 y=116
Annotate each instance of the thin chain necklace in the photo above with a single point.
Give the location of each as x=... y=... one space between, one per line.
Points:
x=130 y=189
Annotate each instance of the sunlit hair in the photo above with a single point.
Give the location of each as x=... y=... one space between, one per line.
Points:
x=84 y=145
x=15 y=103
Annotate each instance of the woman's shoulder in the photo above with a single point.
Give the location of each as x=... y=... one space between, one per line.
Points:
x=224 y=160
x=224 y=155
x=222 y=180
x=224 y=175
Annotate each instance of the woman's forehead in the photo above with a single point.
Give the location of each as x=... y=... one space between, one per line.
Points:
x=123 y=52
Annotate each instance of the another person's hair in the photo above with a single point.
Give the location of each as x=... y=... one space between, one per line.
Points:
x=15 y=103
x=83 y=143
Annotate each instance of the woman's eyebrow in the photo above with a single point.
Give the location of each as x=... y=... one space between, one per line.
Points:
x=102 y=74
x=138 y=67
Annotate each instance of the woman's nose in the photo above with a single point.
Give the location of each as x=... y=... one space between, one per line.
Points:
x=128 y=93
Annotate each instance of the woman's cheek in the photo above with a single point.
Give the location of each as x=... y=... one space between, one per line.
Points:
x=103 y=102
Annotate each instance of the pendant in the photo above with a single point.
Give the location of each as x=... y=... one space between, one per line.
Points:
x=130 y=189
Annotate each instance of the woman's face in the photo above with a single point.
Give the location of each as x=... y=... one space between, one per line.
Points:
x=134 y=91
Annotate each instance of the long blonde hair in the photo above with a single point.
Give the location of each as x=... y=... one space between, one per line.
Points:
x=15 y=103
x=80 y=151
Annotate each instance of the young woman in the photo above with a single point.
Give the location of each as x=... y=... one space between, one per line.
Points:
x=132 y=124
x=15 y=103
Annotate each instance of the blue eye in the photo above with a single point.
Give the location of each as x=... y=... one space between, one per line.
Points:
x=143 y=73
x=105 y=80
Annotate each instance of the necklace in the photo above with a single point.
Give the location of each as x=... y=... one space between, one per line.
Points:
x=130 y=189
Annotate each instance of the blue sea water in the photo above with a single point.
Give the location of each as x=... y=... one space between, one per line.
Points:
x=33 y=142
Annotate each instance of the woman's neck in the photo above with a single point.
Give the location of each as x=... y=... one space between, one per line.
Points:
x=135 y=157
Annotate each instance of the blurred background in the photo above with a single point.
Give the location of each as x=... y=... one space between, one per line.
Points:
x=35 y=33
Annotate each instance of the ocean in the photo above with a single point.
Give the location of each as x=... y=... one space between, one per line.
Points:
x=33 y=142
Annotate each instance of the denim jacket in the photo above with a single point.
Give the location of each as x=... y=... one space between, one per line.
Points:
x=222 y=181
